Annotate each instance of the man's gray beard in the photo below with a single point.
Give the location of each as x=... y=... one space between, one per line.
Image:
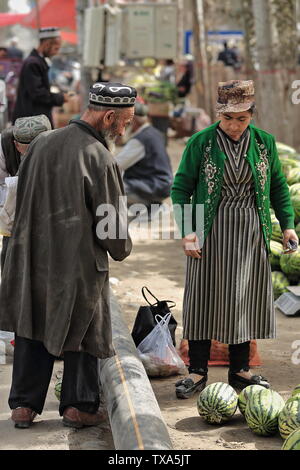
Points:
x=111 y=144
x=110 y=141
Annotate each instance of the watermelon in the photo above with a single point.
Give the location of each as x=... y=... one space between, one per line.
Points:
x=295 y=189
x=57 y=389
x=276 y=230
x=293 y=441
x=289 y=418
x=284 y=149
x=245 y=394
x=295 y=397
x=287 y=164
x=290 y=263
x=293 y=176
x=276 y=251
x=296 y=390
x=262 y=411
x=295 y=200
x=279 y=283
x=217 y=403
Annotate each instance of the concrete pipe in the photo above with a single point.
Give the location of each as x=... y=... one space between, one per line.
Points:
x=135 y=418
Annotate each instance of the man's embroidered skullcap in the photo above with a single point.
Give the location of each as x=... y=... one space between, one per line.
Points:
x=112 y=95
x=27 y=128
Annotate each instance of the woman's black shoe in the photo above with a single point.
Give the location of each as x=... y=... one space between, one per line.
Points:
x=239 y=382
x=187 y=387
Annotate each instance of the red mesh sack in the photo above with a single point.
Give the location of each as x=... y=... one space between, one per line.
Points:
x=219 y=353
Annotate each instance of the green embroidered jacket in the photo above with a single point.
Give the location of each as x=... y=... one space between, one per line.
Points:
x=198 y=182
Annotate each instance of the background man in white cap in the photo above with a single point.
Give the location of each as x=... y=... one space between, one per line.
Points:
x=57 y=259
x=34 y=96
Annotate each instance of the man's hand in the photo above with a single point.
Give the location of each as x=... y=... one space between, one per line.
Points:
x=66 y=97
x=289 y=234
x=191 y=247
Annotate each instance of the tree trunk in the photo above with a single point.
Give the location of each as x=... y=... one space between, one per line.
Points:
x=285 y=21
x=86 y=73
x=267 y=81
x=250 y=38
x=201 y=70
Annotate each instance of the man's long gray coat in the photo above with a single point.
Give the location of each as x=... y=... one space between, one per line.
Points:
x=55 y=284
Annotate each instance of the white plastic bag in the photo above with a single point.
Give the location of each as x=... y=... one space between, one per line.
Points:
x=6 y=348
x=158 y=353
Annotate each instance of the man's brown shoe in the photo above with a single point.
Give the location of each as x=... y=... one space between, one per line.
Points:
x=77 y=419
x=23 y=417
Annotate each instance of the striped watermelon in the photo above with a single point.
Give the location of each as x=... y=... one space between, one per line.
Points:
x=276 y=251
x=293 y=397
x=279 y=283
x=289 y=418
x=245 y=394
x=284 y=149
x=57 y=389
x=296 y=390
x=293 y=441
x=217 y=403
x=262 y=411
x=276 y=230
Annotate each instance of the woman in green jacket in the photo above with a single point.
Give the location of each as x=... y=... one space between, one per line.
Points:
x=231 y=174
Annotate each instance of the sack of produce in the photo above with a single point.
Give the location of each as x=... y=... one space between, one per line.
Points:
x=158 y=353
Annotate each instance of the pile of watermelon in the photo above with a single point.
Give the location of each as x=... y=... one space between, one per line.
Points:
x=286 y=268
x=264 y=410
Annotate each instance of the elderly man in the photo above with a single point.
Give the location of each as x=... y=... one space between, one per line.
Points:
x=34 y=95
x=55 y=288
x=147 y=169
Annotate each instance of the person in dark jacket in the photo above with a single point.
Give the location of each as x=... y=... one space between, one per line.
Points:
x=34 y=96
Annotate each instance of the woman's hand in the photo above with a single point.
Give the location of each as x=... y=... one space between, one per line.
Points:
x=289 y=234
x=191 y=247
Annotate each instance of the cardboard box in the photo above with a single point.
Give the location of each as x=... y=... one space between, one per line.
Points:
x=158 y=109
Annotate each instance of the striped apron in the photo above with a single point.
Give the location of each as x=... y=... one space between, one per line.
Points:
x=228 y=293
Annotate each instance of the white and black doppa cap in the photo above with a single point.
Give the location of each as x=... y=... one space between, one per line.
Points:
x=48 y=33
x=112 y=95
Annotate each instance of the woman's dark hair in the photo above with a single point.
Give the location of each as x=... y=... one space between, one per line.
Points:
x=252 y=110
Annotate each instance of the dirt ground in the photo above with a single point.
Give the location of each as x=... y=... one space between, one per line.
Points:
x=160 y=265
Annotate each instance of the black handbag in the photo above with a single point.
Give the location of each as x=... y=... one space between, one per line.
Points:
x=145 y=318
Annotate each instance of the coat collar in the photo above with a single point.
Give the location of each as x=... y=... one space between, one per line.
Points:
x=253 y=146
x=91 y=130
x=35 y=53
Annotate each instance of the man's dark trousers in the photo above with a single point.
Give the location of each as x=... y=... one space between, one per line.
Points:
x=32 y=371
